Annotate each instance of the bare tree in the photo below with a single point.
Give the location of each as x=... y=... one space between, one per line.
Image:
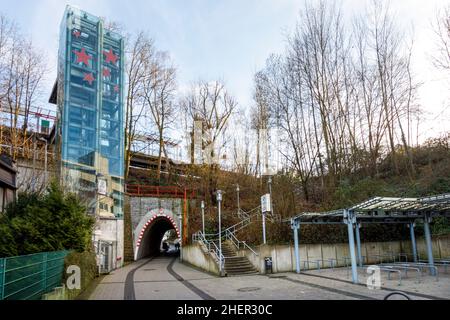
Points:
x=159 y=89
x=22 y=69
x=442 y=31
x=211 y=104
x=140 y=53
x=341 y=93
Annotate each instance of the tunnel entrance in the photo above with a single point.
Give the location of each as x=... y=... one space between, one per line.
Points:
x=152 y=235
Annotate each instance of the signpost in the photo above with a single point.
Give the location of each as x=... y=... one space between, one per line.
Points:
x=219 y=200
x=265 y=207
x=102 y=187
x=203 y=217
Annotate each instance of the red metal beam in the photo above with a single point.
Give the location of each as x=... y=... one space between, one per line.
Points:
x=136 y=190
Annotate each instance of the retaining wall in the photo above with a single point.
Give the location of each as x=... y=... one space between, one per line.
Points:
x=197 y=255
x=283 y=256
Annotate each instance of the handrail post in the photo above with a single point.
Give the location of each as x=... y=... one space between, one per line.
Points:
x=44 y=271
x=3 y=270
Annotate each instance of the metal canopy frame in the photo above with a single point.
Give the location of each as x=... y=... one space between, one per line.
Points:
x=378 y=210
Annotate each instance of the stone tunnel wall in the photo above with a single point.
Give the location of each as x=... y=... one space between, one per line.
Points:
x=136 y=209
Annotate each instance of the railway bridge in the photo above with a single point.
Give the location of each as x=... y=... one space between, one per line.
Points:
x=151 y=211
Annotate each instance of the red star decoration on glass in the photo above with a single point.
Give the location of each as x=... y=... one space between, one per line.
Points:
x=89 y=77
x=116 y=88
x=82 y=56
x=76 y=33
x=110 y=56
x=106 y=72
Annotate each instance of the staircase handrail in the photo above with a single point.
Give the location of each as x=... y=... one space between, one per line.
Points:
x=243 y=223
x=237 y=243
x=215 y=251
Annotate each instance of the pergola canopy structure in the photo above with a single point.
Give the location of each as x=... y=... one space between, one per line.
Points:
x=381 y=210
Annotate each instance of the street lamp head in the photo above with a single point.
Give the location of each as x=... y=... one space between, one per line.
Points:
x=203 y=204
x=237 y=188
x=219 y=195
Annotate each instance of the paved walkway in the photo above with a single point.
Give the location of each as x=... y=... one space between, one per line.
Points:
x=165 y=278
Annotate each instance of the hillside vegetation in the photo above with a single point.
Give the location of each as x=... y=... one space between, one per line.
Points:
x=432 y=176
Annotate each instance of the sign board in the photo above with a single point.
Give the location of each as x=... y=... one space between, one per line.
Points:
x=265 y=203
x=102 y=187
x=45 y=124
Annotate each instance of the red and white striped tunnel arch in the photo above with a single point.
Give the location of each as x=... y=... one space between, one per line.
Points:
x=149 y=222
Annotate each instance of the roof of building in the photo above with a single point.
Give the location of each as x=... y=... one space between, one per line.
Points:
x=382 y=210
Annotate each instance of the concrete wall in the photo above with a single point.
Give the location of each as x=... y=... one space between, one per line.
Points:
x=59 y=293
x=112 y=231
x=198 y=256
x=283 y=256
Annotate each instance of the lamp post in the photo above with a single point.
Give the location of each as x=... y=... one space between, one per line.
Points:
x=219 y=200
x=265 y=207
x=270 y=192
x=180 y=218
x=203 y=217
x=238 y=200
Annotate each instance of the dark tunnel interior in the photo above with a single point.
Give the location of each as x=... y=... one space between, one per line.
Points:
x=151 y=241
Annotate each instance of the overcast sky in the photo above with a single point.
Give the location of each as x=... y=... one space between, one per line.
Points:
x=231 y=39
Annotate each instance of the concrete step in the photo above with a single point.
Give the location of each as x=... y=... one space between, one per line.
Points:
x=236 y=265
x=239 y=267
x=240 y=263
x=239 y=270
x=230 y=274
x=237 y=262
x=238 y=258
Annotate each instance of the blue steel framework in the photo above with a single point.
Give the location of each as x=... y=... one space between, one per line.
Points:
x=90 y=109
x=377 y=210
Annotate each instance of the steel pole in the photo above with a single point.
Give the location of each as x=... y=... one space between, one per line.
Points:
x=46 y=163
x=203 y=217
x=358 y=245
x=219 y=200
x=295 y=228
x=238 y=200
x=426 y=226
x=351 y=241
x=413 y=241
x=270 y=192
x=34 y=162
x=181 y=237
x=264 y=227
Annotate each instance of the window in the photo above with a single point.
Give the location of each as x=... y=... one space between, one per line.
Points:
x=103 y=206
x=82 y=97
x=10 y=196
x=81 y=117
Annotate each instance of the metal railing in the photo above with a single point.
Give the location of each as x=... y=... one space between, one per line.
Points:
x=211 y=247
x=247 y=218
x=237 y=243
x=29 y=277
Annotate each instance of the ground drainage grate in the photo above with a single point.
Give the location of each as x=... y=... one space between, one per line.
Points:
x=249 y=289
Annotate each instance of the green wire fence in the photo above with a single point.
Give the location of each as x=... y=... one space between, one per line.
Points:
x=29 y=277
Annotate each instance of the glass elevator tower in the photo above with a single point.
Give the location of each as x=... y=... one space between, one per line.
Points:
x=90 y=135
